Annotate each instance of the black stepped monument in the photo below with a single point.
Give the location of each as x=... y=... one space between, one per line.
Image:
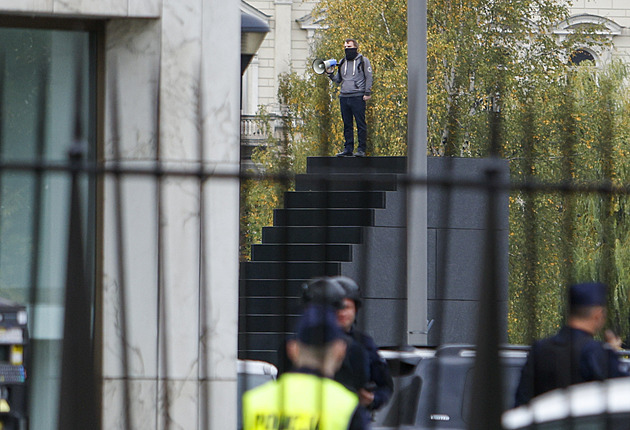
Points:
x=347 y=216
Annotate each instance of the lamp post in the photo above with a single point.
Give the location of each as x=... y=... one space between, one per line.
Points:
x=417 y=268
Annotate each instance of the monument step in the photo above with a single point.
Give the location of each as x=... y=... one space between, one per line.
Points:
x=346 y=182
x=270 y=306
x=302 y=252
x=334 y=199
x=266 y=323
x=288 y=270
x=323 y=217
x=270 y=356
x=261 y=341
x=271 y=287
x=311 y=234
x=363 y=165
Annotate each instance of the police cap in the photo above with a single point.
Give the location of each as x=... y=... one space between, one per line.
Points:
x=318 y=325
x=588 y=294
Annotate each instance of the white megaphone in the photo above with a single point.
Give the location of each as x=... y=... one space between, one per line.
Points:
x=320 y=66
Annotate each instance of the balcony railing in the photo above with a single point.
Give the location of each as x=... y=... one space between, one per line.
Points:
x=256 y=131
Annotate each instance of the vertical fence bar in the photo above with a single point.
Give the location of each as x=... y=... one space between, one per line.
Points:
x=530 y=225
x=487 y=378
x=568 y=170
x=78 y=408
x=37 y=207
x=607 y=270
x=2 y=119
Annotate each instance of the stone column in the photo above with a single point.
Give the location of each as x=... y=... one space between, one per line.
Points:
x=282 y=57
x=180 y=264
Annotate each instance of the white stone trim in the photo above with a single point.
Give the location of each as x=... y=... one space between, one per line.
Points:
x=566 y=27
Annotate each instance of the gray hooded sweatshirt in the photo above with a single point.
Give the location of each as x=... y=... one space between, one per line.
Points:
x=355 y=77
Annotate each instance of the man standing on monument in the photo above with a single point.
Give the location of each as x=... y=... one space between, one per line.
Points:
x=354 y=73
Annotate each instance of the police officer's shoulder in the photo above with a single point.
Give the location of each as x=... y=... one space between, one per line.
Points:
x=593 y=346
x=366 y=340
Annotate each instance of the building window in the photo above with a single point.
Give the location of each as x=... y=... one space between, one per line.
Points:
x=45 y=74
x=580 y=56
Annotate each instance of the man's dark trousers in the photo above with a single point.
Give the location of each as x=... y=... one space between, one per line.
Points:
x=353 y=107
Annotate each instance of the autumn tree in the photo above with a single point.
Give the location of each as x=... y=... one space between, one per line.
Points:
x=574 y=135
x=561 y=125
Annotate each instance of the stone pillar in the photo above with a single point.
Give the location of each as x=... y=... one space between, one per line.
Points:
x=282 y=57
x=181 y=264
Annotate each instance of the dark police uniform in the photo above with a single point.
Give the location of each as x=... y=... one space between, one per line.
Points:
x=354 y=371
x=378 y=372
x=378 y=379
x=570 y=357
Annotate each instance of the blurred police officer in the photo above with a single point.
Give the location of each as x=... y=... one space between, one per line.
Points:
x=354 y=370
x=307 y=398
x=377 y=388
x=571 y=356
x=320 y=291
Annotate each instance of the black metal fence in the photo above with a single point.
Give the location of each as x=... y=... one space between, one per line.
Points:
x=346 y=216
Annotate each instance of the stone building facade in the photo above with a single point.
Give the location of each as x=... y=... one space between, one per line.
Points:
x=614 y=15
x=287 y=47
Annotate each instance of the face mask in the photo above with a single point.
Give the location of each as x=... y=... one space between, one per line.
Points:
x=351 y=53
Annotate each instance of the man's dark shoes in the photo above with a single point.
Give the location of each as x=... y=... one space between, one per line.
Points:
x=359 y=153
x=344 y=154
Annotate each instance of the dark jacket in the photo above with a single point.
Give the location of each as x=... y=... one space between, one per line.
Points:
x=355 y=77
x=353 y=373
x=379 y=376
x=570 y=357
x=355 y=369
x=362 y=367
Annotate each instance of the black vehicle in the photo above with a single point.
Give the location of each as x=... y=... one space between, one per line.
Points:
x=432 y=387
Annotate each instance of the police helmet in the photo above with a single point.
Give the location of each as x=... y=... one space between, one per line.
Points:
x=323 y=290
x=351 y=289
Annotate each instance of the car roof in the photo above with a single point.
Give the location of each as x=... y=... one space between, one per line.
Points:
x=254 y=367
x=588 y=399
x=461 y=350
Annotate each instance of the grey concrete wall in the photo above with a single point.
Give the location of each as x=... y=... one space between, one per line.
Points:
x=457 y=244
